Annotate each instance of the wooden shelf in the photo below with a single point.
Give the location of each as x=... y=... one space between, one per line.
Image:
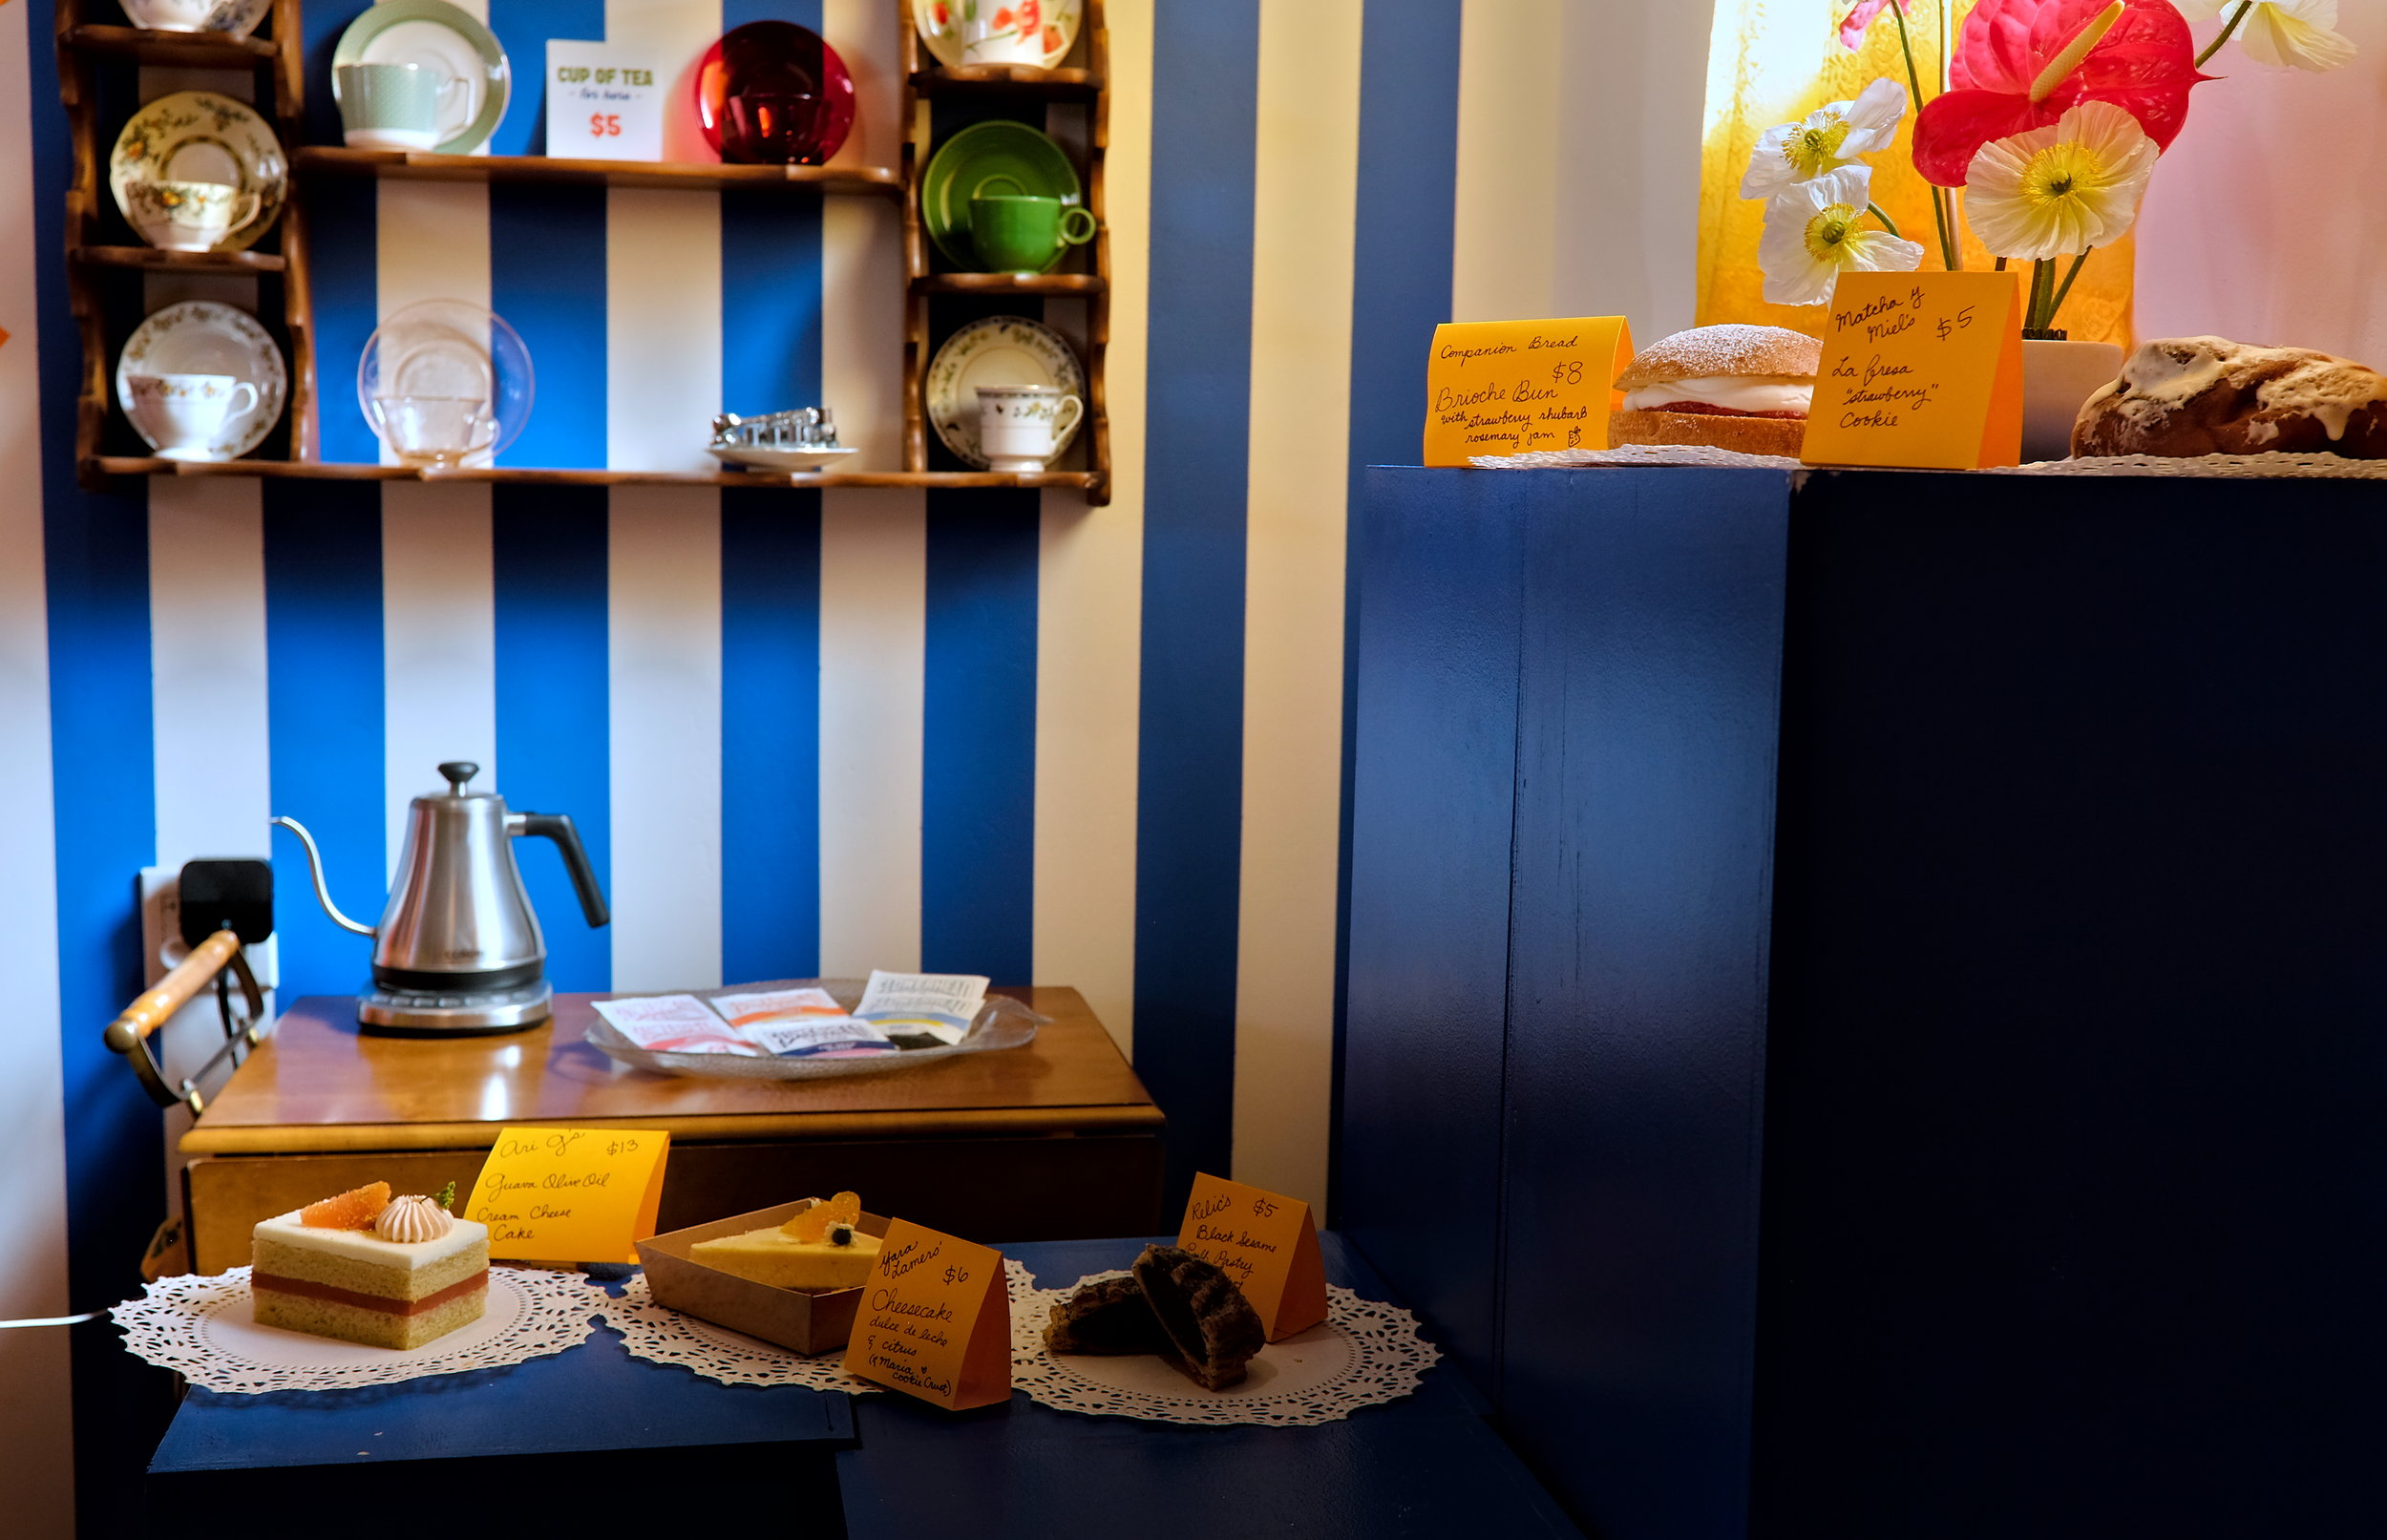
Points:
x=179 y=262
x=196 y=50
x=1063 y=284
x=419 y=166
x=325 y=470
x=1066 y=85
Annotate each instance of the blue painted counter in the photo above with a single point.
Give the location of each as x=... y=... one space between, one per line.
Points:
x=1903 y=953
x=1425 y=1466
x=589 y=1436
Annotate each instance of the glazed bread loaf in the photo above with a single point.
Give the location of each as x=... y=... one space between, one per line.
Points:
x=2186 y=396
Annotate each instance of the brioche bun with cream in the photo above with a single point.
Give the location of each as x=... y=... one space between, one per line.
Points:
x=1736 y=388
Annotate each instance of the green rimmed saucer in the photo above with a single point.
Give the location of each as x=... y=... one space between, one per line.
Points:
x=972 y=157
x=451 y=44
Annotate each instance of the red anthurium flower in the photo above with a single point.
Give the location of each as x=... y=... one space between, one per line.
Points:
x=2021 y=63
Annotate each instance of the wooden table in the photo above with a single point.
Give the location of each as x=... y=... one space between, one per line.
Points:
x=1057 y=1140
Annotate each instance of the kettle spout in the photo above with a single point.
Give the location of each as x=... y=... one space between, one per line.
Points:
x=315 y=869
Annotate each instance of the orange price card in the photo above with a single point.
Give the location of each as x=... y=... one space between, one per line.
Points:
x=570 y=1195
x=1522 y=386
x=935 y=1319
x=1268 y=1244
x=1922 y=370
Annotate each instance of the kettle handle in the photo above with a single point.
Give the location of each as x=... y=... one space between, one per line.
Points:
x=559 y=827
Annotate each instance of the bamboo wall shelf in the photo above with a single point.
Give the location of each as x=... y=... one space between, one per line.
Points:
x=520 y=476
x=1085 y=87
x=95 y=249
x=417 y=165
x=179 y=262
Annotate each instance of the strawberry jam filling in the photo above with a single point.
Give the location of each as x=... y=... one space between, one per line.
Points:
x=1703 y=408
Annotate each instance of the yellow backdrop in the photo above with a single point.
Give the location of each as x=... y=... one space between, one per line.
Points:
x=1774 y=61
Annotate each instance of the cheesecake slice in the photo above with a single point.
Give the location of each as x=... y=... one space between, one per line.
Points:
x=840 y=1260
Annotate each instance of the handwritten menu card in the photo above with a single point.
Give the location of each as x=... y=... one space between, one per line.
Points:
x=604 y=101
x=935 y=1319
x=1920 y=370
x=1521 y=387
x=1266 y=1243
x=570 y=1195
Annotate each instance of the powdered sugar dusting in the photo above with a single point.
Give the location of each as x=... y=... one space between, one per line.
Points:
x=1709 y=351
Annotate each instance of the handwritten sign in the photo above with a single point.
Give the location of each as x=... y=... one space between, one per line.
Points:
x=604 y=102
x=1920 y=370
x=935 y=1319
x=1519 y=387
x=570 y=1195
x=1266 y=1243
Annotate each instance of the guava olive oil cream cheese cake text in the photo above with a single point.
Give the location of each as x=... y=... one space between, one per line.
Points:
x=364 y=1268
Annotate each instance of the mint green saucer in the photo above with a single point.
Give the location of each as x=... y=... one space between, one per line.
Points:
x=966 y=161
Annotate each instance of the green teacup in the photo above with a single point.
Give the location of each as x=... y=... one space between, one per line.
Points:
x=1019 y=233
x=388 y=106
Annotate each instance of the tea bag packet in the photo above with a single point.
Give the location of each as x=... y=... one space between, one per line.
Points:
x=775 y=1004
x=674 y=1024
x=934 y=1008
x=818 y=1037
x=801 y=1024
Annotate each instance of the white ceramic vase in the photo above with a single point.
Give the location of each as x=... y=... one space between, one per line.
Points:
x=2058 y=379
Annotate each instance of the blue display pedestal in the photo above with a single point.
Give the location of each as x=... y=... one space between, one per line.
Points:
x=1879 y=978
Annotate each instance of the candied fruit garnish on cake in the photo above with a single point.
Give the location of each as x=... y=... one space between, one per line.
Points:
x=349 y=1210
x=815 y=1222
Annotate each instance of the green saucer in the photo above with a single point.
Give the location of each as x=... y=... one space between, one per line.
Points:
x=965 y=162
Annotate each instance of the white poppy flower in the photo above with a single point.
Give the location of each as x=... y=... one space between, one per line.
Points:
x=2056 y=192
x=1832 y=137
x=2301 y=33
x=1812 y=236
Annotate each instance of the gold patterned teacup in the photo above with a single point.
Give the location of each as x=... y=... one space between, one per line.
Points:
x=1022 y=426
x=189 y=215
x=182 y=413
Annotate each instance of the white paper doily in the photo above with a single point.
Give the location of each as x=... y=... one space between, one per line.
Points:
x=200 y=1328
x=662 y=1334
x=1367 y=1353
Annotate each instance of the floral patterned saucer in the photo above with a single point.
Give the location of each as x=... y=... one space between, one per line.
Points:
x=1001 y=349
x=198 y=136
x=203 y=337
x=939 y=23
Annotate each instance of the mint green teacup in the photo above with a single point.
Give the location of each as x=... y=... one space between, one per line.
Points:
x=1017 y=233
x=388 y=106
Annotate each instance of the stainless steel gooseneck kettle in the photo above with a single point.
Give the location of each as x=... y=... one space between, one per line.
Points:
x=458 y=949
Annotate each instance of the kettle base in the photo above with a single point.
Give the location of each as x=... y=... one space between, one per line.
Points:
x=464 y=1013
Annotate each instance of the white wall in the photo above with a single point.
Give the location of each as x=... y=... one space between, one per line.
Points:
x=2268 y=217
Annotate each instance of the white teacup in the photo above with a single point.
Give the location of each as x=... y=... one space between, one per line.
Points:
x=181 y=414
x=433 y=430
x=1022 y=426
x=187 y=216
x=982 y=42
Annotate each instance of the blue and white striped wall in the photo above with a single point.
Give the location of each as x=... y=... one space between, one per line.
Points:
x=801 y=731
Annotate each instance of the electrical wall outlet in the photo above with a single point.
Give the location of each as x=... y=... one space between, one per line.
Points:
x=161 y=931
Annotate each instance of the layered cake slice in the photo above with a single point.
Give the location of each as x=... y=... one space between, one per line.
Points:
x=363 y=1268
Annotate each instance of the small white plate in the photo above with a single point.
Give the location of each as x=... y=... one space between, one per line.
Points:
x=198 y=136
x=202 y=337
x=1001 y=349
x=781 y=459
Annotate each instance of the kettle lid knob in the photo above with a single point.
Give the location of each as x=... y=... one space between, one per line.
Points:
x=460 y=773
